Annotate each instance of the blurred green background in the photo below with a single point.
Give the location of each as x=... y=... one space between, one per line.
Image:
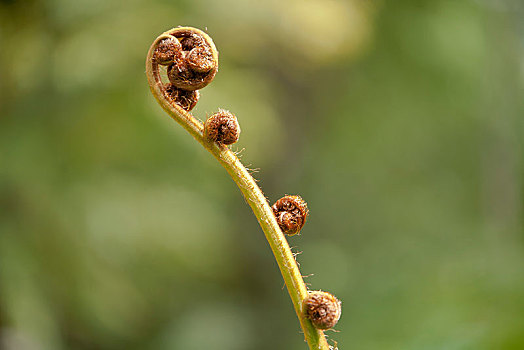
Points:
x=400 y=122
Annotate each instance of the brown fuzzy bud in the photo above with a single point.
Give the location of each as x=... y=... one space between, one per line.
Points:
x=200 y=59
x=222 y=127
x=322 y=308
x=168 y=51
x=291 y=213
x=183 y=98
x=198 y=64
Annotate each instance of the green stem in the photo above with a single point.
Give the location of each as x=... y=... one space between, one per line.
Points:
x=251 y=192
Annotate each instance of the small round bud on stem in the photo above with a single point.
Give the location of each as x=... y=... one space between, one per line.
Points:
x=322 y=308
x=291 y=213
x=200 y=59
x=183 y=98
x=167 y=51
x=222 y=127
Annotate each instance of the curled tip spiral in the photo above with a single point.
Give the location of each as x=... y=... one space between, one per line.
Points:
x=322 y=308
x=197 y=63
x=222 y=127
x=190 y=59
x=291 y=213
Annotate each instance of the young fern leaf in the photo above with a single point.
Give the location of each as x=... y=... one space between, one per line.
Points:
x=192 y=62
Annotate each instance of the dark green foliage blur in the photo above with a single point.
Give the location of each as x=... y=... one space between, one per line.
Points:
x=400 y=122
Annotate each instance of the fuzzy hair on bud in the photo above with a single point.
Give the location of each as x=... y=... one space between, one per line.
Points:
x=222 y=127
x=322 y=308
x=291 y=213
